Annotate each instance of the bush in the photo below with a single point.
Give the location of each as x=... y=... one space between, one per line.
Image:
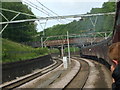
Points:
x=12 y=51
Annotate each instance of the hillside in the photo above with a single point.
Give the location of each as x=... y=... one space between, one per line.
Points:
x=12 y=51
x=104 y=23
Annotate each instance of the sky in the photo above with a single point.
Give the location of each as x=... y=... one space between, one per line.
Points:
x=63 y=7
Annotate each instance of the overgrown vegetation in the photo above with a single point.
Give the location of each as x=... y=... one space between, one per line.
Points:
x=12 y=51
x=19 y=32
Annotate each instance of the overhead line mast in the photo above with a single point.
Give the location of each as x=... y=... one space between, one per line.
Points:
x=58 y=17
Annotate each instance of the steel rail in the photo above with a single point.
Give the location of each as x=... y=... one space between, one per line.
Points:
x=70 y=84
x=20 y=82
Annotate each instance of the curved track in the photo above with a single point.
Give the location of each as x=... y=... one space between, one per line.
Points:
x=22 y=81
x=81 y=77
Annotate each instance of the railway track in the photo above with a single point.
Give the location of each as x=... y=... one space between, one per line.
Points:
x=77 y=77
x=79 y=80
x=81 y=77
x=17 y=83
x=83 y=73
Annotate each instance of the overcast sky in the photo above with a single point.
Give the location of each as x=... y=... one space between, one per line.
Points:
x=64 y=7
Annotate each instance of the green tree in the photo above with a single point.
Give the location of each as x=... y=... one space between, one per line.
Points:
x=104 y=23
x=19 y=32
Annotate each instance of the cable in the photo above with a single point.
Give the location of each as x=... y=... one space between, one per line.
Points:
x=39 y=7
x=51 y=10
x=36 y=8
x=48 y=9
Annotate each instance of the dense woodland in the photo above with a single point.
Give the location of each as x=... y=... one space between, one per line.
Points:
x=19 y=32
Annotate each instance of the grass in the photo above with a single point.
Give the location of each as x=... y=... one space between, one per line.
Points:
x=53 y=50
x=12 y=51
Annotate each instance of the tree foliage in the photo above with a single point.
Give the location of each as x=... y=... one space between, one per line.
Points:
x=104 y=23
x=106 y=7
x=19 y=32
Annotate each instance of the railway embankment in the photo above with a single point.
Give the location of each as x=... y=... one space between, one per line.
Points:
x=17 y=69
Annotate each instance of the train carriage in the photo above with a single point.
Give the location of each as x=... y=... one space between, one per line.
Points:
x=99 y=51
